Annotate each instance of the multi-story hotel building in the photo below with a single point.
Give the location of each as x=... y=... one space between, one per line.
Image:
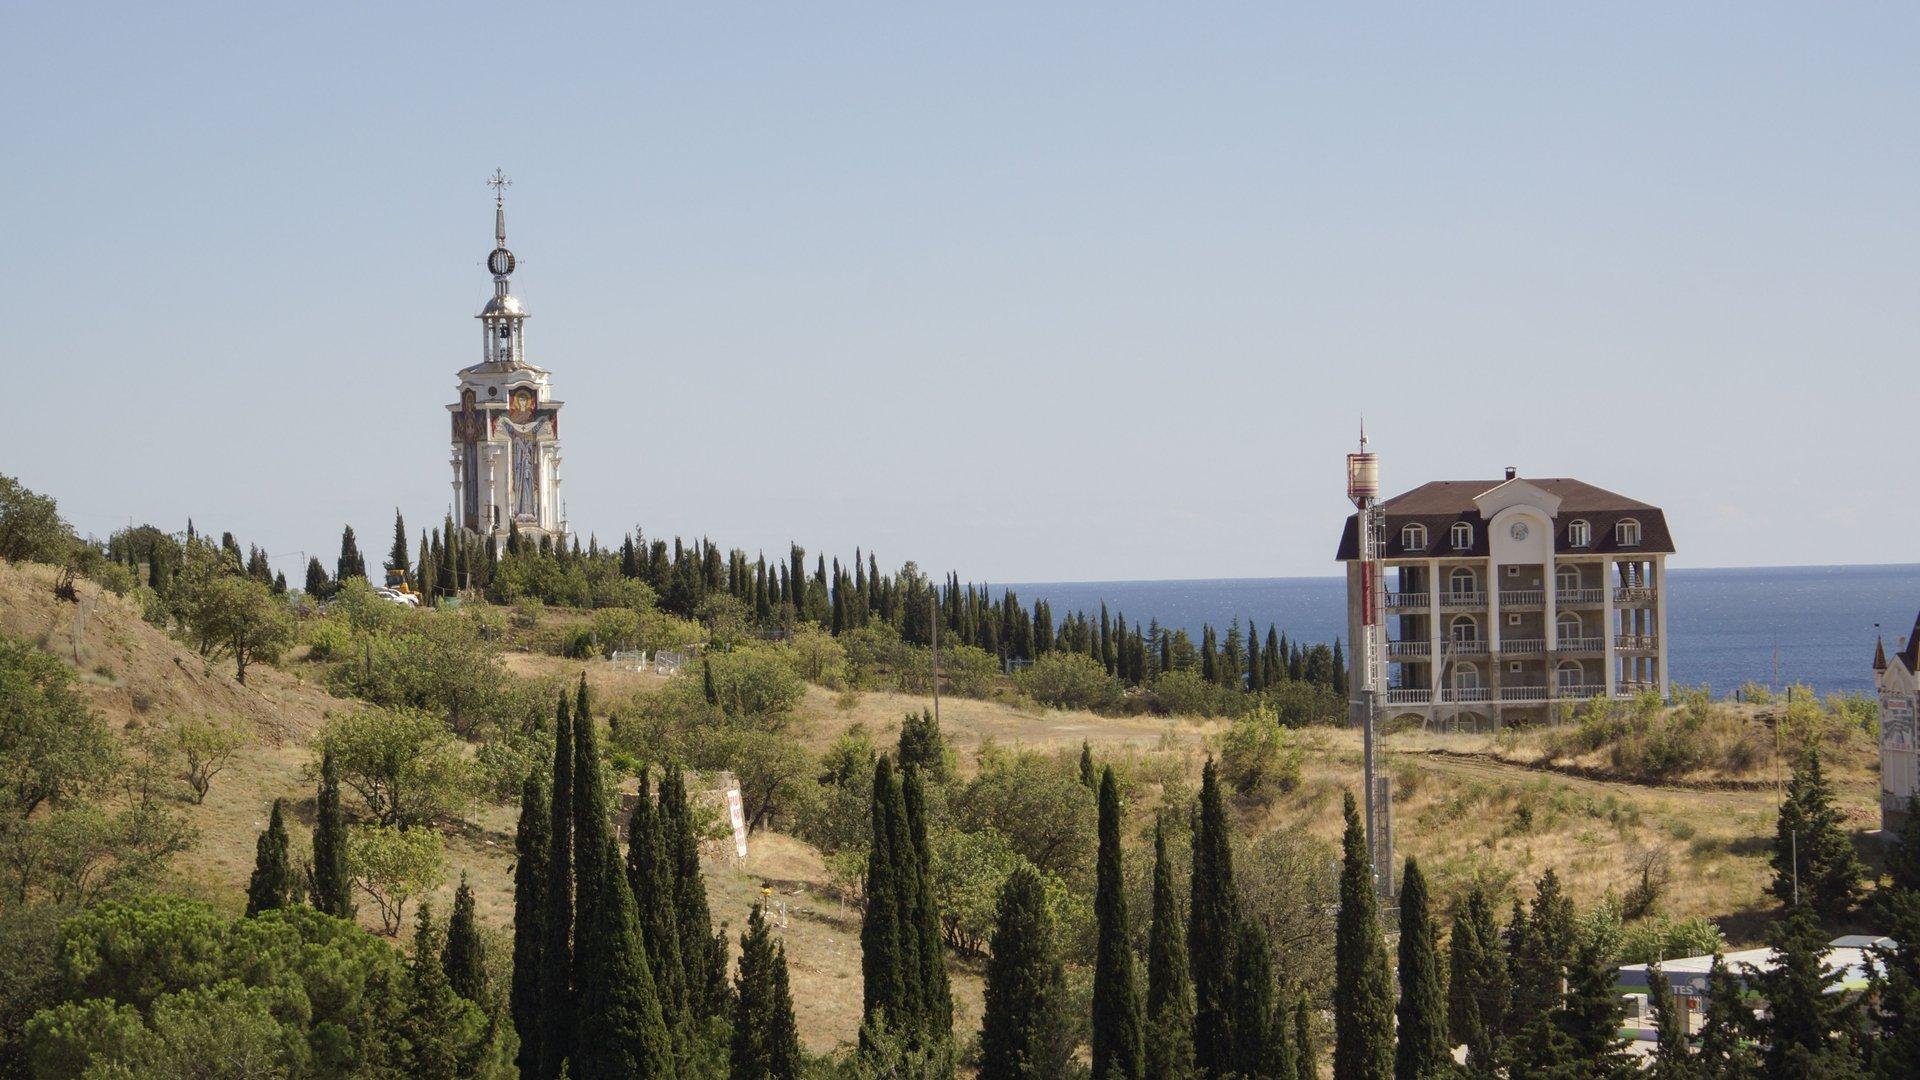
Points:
x=1506 y=600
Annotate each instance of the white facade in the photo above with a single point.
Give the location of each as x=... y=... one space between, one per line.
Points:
x=1899 y=691
x=506 y=423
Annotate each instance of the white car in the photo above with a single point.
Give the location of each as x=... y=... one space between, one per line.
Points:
x=396 y=596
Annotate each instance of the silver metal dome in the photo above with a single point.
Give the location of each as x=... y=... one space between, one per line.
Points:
x=504 y=304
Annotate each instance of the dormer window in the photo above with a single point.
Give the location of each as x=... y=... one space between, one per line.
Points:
x=1626 y=533
x=1462 y=536
x=1579 y=534
x=1414 y=538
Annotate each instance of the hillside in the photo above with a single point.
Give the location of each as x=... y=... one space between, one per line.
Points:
x=1469 y=807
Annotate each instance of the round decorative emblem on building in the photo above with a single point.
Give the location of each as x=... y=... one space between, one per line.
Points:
x=1519 y=530
x=500 y=262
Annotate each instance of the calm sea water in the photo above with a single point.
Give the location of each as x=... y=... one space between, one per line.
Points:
x=1804 y=624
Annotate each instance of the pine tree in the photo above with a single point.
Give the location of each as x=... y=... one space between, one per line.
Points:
x=1545 y=939
x=332 y=887
x=1024 y=1033
x=1896 y=987
x=1590 y=1015
x=1811 y=843
x=766 y=1044
x=271 y=885
x=531 y=844
x=464 y=956
x=1169 y=1015
x=1210 y=929
x=1118 y=1053
x=650 y=876
x=556 y=982
x=621 y=1030
x=1723 y=1053
x=1672 y=1057
x=1420 y=1048
x=1804 y=1029
x=1362 y=988
x=1903 y=857
x=1250 y=1014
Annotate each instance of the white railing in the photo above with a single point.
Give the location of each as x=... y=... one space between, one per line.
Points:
x=1583 y=644
x=1629 y=687
x=1521 y=597
x=1523 y=645
x=1579 y=596
x=1474 y=647
x=1406 y=599
x=1463 y=599
x=1569 y=690
x=1523 y=693
x=1409 y=648
x=1466 y=693
x=1632 y=594
x=1409 y=697
x=1636 y=641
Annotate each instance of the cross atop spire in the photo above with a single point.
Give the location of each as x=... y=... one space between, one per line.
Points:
x=499 y=183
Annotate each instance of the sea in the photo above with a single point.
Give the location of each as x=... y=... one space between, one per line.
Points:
x=1807 y=625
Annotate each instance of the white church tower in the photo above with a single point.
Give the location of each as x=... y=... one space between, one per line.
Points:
x=506 y=425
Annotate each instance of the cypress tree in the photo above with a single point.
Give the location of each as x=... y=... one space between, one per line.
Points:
x=464 y=957
x=1477 y=984
x=332 y=888
x=1306 y=1062
x=397 y=558
x=1420 y=1049
x=531 y=843
x=1024 y=1033
x=1087 y=778
x=882 y=973
x=318 y=585
x=922 y=746
x=271 y=885
x=1118 y=1052
x=350 y=565
x=1210 y=930
x=1723 y=1053
x=1811 y=838
x=703 y=951
x=921 y=919
x=1803 y=1032
x=439 y=1032
x=650 y=876
x=766 y=1044
x=621 y=1030
x=1251 y=1011
x=1169 y=1037
x=556 y=982
x=1362 y=988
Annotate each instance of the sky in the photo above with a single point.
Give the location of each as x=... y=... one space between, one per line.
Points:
x=1028 y=292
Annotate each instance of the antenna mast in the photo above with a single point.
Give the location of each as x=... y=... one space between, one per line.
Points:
x=1363 y=489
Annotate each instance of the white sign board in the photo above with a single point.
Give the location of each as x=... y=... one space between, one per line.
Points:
x=737 y=814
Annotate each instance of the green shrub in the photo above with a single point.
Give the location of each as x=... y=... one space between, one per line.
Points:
x=1069 y=681
x=1257 y=761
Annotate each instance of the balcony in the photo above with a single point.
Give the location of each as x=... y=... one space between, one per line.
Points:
x=1581 y=692
x=1633 y=594
x=1406 y=599
x=1467 y=647
x=1523 y=693
x=1466 y=694
x=1409 y=648
x=1578 y=597
x=1409 y=697
x=1523 y=645
x=1522 y=598
x=1583 y=644
x=1636 y=642
x=1460 y=599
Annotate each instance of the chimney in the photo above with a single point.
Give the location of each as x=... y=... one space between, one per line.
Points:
x=1511 y=472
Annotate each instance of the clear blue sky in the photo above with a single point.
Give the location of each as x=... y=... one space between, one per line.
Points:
x=1076 y=293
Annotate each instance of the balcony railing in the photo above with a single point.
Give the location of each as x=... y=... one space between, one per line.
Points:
x=1628 y=686
x=1523 y=693
x=1468 y=647
x=1406 y=599
x=1523 y=645
x=1633 y=594
x=1580 y=692
x=1636 y=641
x=1466 y=693
x=1583 y=644
x=1409 y=648
x=1409 y=697
x=1579 y=596
x=1522 y=597
x=1463 y=598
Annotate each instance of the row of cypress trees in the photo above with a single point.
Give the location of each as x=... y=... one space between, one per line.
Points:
x=906 y=1000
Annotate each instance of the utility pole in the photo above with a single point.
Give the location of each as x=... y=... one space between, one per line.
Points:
x=936 y=657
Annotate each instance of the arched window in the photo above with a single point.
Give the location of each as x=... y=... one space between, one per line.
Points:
x=1464 y=629
x=1570 y=674
x=1414 y=538
x=1567 y=578
x=1466 y=676
x=1626 y=532
x=1463 y=581
x=1570 y=627
x=1462 y=536
x=1579 y=534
